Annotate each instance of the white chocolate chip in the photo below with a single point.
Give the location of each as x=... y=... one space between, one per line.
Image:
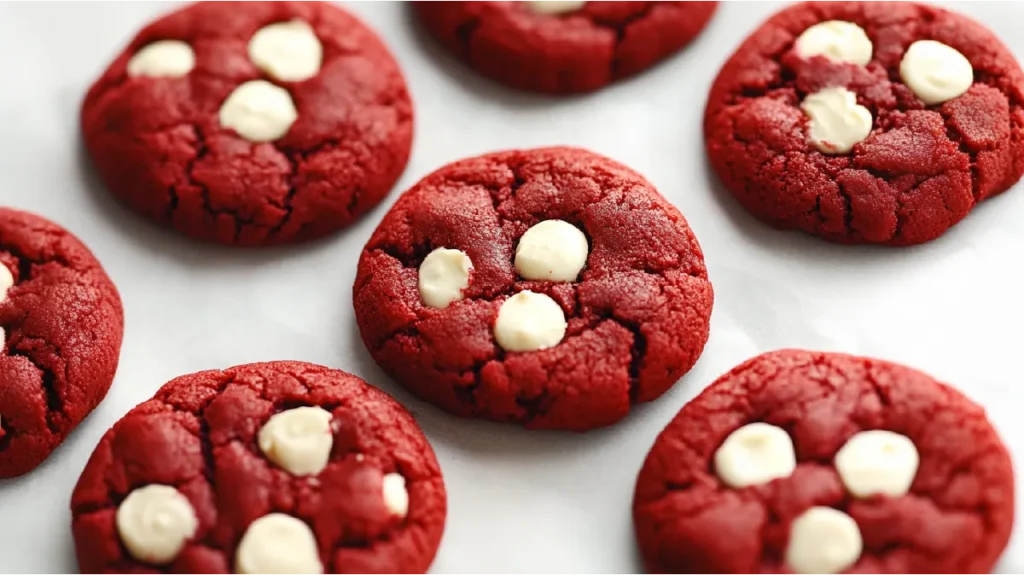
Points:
x=259 y=111
x=168 y=58
x=529 y=321
x=443 y=275
x=877 y=462
x=298 y=440
x=278 y=543
x=6 y=281
x=823 y=540
x=396 y=498
x=554 y=7
x=837 y=121
x=836 y=40
x=154 y=522
x=935 y=72
x=552 y=250
x=287 y=51
x=755 y=454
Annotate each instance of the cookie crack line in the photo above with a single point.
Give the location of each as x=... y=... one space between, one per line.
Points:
x=467 y=27
x=222 y=380
x=292 y=155
x=576 y=312
x=652 y=510
x=213 y=202
x=538 y=404
x=784 y=77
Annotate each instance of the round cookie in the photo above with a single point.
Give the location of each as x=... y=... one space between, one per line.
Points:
x=61 y=324
x=279 y=467
x=551 y=287
x=867 y=122
x=562 y=47
x=800 y=461
x=251 y=123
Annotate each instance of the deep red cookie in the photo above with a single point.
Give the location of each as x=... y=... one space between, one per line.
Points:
x=62 y=322
x=202 y=434
x=637 y=314
x=956 y=517
x=580 y=50
x=159 y=145
x=919 y=171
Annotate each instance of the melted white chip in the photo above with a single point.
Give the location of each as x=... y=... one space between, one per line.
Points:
x=287 y=51
x=278 y=543
x=154 y=522
x=554 y=6
x=6 y=281
x=877 y=462
x=259 y=111
x=552 y=250
x=169 y=58
x=755 y=454
x=298 y=440
x=836 y=40
x=443 y=275
x=396 y=497
x=837 y=121
x=823 y=540
x=935 y=72
x=529 y=321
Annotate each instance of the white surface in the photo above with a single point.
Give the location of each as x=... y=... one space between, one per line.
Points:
x=518 y=500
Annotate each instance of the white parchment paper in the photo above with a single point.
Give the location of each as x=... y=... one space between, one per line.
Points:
x=518 y=501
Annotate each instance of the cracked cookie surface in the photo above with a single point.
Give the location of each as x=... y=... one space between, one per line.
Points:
x=62 y=323
x=956 y=516
x=919 y=171
x=637 y=314
x=579 y=51
x=158 y=145
x=200 y=434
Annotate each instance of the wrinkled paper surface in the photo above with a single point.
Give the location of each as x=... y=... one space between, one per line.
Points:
x=518 y=501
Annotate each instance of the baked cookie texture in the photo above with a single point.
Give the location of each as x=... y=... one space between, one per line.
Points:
x=363 y=494
x=563 y=47
x=626 y=320
x=219 y=131
x=919 y=170
x=62 y=323
x=952 y=513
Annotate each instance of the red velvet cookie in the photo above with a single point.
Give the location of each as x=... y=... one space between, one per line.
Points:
x=251 y=123
x=563 y=47
x=550 y=287
x=62 y=322
x=279 y=467
x=810 y=462
x=867 y=122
